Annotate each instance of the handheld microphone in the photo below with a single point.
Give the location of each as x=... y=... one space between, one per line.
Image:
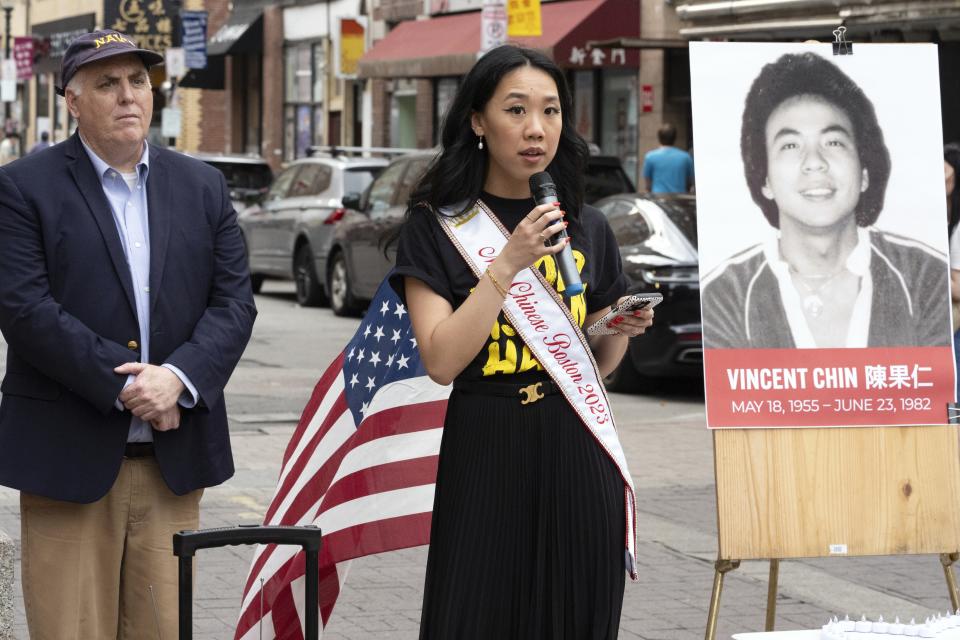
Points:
x=545 y=192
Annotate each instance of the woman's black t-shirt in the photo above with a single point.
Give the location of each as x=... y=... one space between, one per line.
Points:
x=425 y=252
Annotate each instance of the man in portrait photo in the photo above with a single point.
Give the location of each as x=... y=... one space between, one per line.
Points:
x=817 y=167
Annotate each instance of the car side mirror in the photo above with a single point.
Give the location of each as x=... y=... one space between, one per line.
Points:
x=351 y=200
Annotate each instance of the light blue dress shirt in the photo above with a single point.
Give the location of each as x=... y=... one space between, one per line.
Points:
x=129 y=207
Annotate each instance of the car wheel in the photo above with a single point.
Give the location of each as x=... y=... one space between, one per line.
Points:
x=309 y=290
x=624 y=378
x=256 y=282
x=342 y=300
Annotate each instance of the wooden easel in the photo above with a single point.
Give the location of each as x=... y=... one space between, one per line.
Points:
x=793 y=493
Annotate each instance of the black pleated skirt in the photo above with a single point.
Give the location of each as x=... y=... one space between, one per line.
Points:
x=527 y=539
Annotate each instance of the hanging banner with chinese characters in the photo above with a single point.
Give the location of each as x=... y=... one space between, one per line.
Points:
x=23 y=55
x=523 y=18
x=350 y=45
x=149 y=22
x=193 y=31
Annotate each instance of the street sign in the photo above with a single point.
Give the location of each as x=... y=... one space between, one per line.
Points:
x=23 y=55
x=170 y=122
x=175 y=62
x=493 y=25
x=8 y=80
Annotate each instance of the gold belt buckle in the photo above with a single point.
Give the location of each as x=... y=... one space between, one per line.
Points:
x=532 y=392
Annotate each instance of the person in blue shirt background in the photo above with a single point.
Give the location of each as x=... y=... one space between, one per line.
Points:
x=668 y=169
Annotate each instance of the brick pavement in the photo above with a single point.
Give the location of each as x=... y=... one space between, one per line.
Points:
x=670 y=454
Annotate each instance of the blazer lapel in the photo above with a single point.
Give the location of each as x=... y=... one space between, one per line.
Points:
x=159 y=207
x=80 y=167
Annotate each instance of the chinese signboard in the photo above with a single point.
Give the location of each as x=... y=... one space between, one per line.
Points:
x=351 y=43
x=149 y=22
x=523 y=18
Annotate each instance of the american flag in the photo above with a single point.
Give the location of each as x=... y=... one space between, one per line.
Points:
x=361 y=465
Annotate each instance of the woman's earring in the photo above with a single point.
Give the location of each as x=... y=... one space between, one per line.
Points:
x=480 y=144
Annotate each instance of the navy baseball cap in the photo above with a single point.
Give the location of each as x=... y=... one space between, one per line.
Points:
x=99 y=45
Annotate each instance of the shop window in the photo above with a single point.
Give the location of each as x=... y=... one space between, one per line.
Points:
x=443 y=93
x=584 y=98
x=403 y=114
x=304 y=95
x=619 y=117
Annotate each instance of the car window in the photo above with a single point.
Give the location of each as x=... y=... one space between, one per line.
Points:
x=683 y=213
x=242 y=175
x=383 y=189
x=311 y=177
x=629 y=225
x=357 y=179
x=282 y=183
x=614 y=207
x=602 y=180
x=410 y=179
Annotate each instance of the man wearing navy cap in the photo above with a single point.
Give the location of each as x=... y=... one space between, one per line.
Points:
x=126 y=304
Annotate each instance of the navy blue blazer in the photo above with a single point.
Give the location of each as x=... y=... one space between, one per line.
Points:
x=68 y=316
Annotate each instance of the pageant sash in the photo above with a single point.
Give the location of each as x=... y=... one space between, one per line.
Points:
x=544 y=323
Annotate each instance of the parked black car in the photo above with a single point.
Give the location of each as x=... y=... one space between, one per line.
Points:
x=657 y=235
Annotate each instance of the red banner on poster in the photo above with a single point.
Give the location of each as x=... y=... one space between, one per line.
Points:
x=828 y=387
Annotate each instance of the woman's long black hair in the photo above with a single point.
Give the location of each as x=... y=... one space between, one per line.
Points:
x=458 y=172
x=951 y=154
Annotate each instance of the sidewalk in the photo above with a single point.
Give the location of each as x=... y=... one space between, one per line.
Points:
x=670 y=454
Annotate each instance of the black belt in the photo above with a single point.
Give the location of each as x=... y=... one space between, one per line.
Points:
x=526 y=393
x=138 y=450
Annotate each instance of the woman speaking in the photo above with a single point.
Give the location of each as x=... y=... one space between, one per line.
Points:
x=533 y=516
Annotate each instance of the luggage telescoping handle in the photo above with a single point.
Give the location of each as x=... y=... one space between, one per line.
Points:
x=186 y=543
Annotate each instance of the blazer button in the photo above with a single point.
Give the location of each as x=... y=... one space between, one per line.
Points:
x=132 y=345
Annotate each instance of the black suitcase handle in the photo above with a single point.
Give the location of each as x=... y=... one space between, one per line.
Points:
x=186 y=543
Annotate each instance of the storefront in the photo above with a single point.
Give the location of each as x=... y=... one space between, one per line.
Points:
x=416 y=68
x=318 y=107
x=53 y=38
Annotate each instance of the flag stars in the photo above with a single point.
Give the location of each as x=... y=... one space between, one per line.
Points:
x=379 y=334
x=375 y=358
x=366 y=333
x=353 y=381
x=360 y=356
x=402 y=362
x=413 y=341
x=371 y=383
x=395 y=339
x=390 y=360
x=400 y=310
x=385 y=308
x=350 y=355
x=364 y=408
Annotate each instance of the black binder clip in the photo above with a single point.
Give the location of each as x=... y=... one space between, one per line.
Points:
x=841 y=46
x=953 y=413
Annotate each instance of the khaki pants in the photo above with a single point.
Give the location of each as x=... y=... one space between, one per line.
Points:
x=93 y=571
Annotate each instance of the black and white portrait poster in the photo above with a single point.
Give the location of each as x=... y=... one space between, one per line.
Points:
x=822 y=231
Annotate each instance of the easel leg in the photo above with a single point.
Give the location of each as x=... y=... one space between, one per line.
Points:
x=772 y=593
x=720 y=567
x=947 y=560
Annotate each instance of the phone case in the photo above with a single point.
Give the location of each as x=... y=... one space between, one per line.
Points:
x=634 y=302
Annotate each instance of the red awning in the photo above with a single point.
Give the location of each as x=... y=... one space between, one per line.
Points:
x=448 y=45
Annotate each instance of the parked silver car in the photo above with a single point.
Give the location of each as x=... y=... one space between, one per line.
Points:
x=288 y=236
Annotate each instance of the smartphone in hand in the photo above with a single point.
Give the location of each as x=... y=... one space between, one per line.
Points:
x=627 y=307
